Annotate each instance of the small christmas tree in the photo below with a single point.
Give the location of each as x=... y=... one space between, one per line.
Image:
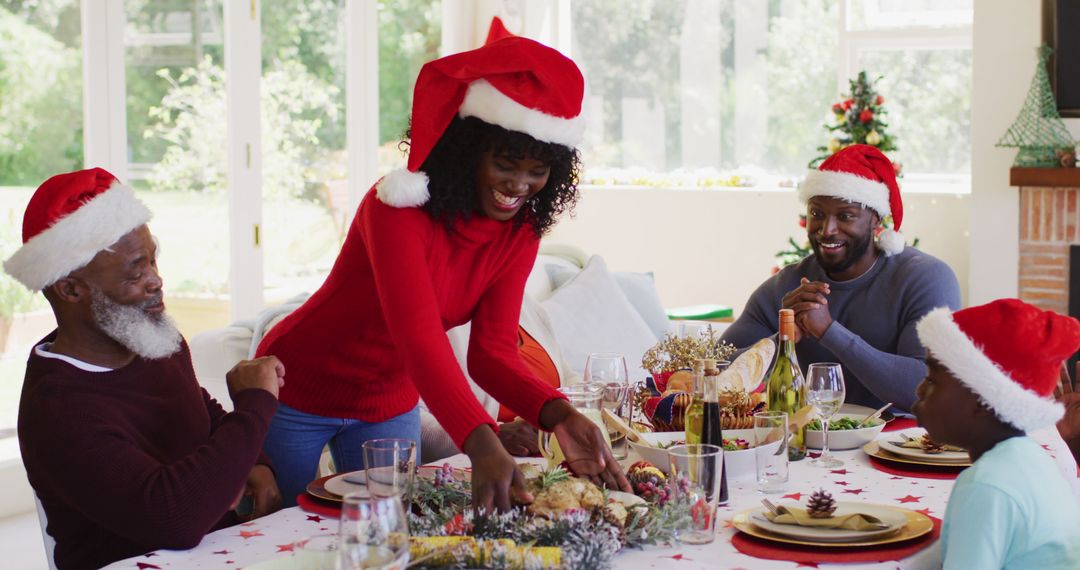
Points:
x=859 y=120
x=1038 y=131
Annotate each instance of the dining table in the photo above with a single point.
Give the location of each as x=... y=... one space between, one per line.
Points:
x=860 y=479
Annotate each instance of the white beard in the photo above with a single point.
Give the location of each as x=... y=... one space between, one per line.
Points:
x=150 y=336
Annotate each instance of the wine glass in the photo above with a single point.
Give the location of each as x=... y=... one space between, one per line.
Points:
x=608 y=369
x=826 y=394
x=374 y=533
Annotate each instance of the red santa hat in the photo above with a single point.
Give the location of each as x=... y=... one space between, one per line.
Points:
x=1008 y=352
x=861 y=173
x=513 y=82
x=69 y=219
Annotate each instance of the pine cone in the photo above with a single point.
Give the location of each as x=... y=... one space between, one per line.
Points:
x=821 y=505
x=930 y=446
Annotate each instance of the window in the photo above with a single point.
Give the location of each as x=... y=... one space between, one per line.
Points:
x=737 y=92
x=40 y=135
x=922 y=52
x=175 y=112
x=166 y=134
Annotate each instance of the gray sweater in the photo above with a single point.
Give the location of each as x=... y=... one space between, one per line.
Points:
x=874 y=315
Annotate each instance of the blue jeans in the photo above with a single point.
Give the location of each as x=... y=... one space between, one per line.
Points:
x=296 y=439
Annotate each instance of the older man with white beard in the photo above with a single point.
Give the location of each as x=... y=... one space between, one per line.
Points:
x=125 y=450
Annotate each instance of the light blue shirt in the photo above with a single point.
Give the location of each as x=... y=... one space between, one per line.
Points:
x=1012 y=509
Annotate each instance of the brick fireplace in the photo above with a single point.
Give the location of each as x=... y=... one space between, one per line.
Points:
x=1049 y=226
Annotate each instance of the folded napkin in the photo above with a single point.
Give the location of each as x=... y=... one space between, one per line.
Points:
x=917 y=444
x=799 y=516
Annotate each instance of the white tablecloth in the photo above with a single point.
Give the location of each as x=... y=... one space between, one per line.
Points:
x=273 y=535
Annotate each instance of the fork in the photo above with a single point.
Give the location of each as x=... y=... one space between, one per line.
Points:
x=775 y=510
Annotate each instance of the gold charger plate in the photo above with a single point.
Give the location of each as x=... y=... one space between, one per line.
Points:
x=917 y=525
x=874 y=450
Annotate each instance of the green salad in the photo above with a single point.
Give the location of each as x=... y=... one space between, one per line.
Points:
x=842 y=424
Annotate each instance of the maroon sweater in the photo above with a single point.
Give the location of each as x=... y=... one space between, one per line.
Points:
x=136 y=459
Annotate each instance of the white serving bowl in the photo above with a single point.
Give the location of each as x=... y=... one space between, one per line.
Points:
x=845 y=438
x=739 y=464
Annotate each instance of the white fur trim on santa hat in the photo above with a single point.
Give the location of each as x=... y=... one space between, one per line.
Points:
x=890 y=242
x=870 y=193
x=488 y=104
x=1022 y=408
x=403 y=188
x=74 y=240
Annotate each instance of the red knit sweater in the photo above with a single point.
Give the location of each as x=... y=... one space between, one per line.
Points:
x=374 y=335
x=136 y=459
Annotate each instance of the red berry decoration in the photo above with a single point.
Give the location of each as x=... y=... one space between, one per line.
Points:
x=866 y=115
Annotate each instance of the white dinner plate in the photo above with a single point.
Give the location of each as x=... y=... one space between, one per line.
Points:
x=889 y=443
x=628 y=500
x=893 y=518
x=351 y=482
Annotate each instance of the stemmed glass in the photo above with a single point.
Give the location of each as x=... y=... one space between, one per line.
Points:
x=608 y=369
x=374 y=533
x=826 y=394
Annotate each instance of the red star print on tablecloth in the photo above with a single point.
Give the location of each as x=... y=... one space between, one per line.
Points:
x=284 y=547
x=839 y=471
x=314 y=518
x=221 y=552
x=842 y=483
x=908 y=499
x=729 y=523
x=895 y=478
x=925 y=511
x=246 y=534
x=679 y=557
x=144 y=566
x=855 y=491
x=793 y=496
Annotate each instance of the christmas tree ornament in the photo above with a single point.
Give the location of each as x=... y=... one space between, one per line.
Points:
x=821 y=505
x=1038 y=131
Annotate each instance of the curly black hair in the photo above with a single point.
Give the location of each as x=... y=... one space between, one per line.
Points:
x=451 y=170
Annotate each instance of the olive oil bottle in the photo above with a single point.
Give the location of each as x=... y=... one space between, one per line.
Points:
x=692 y=418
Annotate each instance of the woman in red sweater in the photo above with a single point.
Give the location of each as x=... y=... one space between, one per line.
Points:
x=450 y=239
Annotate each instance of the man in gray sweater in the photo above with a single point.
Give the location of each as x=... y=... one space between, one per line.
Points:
x=858 y=297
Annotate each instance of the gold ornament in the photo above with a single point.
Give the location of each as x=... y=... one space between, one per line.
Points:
x=834 y=146
x=873 y=138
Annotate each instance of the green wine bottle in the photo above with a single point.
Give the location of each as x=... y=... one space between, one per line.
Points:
x=786 y=386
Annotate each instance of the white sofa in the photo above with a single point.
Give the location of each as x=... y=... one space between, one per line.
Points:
x=590 y=309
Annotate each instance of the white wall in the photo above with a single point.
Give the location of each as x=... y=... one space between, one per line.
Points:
x=717 y=246
x=1005 y=37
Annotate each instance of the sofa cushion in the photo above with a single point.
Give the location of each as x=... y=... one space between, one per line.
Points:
x=590 y=314
x=639 y=289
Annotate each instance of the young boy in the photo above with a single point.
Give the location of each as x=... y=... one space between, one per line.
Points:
x=993 y=369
